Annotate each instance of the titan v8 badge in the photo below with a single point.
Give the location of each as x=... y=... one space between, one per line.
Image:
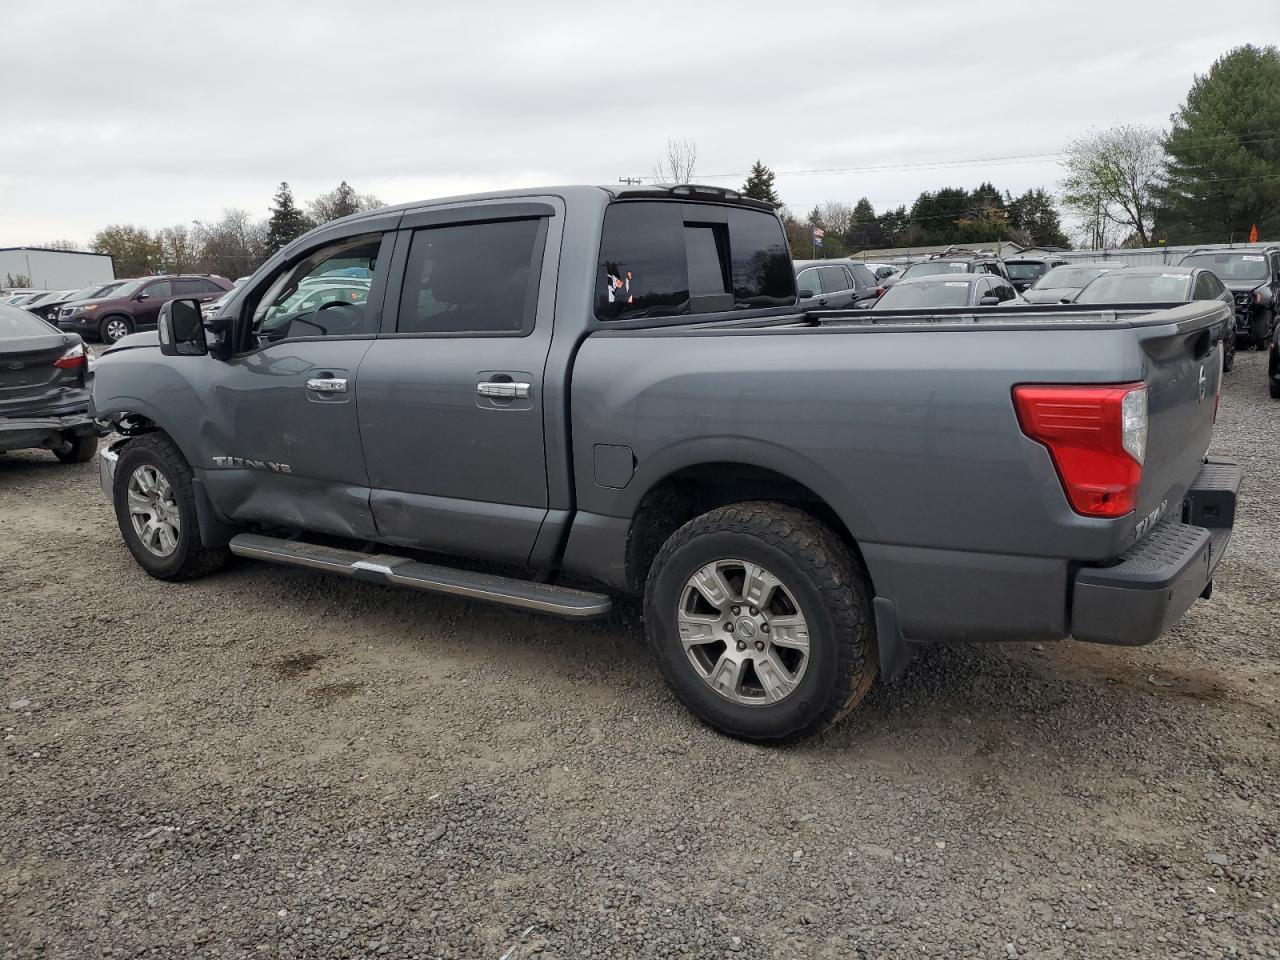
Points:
x=245 y=463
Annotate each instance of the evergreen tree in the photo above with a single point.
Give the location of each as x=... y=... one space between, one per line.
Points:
x=1034 y=219
x=867 y=233
x=1223 y=173
x=287 y=221
x=759 y=185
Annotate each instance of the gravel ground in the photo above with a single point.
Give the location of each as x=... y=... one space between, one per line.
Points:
x=274 y=763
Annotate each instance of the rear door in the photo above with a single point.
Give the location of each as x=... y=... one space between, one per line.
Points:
x=452 y=398
x=838 y=287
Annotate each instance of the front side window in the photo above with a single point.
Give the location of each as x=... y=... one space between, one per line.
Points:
x=162 y=288
x=1207 y=287
x=666 y=258
x=323 y=295
x=479 y=278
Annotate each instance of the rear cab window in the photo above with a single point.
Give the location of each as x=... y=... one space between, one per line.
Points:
x=664 y=258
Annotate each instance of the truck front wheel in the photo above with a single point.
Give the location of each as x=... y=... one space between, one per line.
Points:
x=760 y=619
x=156 y=511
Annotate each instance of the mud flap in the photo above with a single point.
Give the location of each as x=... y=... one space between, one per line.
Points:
x=214 y=533
x=895 y=651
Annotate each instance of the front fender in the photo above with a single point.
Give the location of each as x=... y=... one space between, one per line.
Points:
x=142 y=382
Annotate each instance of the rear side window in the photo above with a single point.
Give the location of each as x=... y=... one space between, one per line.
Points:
x=666 y=259
x=479 y=278
x=863 y=275
x=184 y=287
x=834 y=279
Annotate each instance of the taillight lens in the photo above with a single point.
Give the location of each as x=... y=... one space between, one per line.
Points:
x=74 y=357
x=1097 y=436
x=879 y=291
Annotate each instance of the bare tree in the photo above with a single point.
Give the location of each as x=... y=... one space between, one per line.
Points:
x=1112 y=177
x=836 y=216
x=679 y=163
x=61 y=245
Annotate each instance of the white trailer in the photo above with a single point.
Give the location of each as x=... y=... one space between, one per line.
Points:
x=53 y=269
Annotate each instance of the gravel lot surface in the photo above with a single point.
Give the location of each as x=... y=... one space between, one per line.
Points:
x=273 y=763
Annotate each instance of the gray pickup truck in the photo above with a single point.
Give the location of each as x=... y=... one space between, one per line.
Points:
x=588 y=389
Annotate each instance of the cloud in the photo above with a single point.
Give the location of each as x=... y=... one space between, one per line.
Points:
x=177 y=110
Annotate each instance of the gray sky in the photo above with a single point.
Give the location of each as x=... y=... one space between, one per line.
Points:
x=158 y=113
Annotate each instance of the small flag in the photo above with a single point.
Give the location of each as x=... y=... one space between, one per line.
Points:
x=818 y=234
x=1253 y=234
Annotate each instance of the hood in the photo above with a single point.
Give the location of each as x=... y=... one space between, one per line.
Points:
x=92 y=300
x=1050 y=294
x=148 y=338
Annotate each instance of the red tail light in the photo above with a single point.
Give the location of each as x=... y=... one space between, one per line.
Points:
x=879 y=291
x=1097 y=436
x=75 y=357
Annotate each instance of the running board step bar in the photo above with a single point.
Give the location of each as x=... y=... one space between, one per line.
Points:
x=403 y=572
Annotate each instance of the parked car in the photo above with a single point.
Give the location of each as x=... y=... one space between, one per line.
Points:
x=9 y=294
x=1061 y=284
x=21 y=297
x=1164 y=284
x=41 y=303
x=835 y=285
x=49 y=307
x=616 y=384
x=957 y=262
x=886 y=274
x=1253 y=277
x=44 y=395
x=135 y=305
x=949 y=290
x=1024 y=271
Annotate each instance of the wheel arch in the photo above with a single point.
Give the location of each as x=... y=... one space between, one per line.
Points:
x=691 y=485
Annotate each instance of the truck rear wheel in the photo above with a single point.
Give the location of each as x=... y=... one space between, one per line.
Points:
x=77 y=449
x=156 y=511
x=760 y=619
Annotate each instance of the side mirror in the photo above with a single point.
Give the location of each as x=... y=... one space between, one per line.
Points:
x=181 y=329
x=988 y=301
x=143 y=296
x=805 y=293
x=1065 y=300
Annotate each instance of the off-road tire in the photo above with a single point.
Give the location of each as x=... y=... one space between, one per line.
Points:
x=834 y=596
x=78 y=450
x=191 y=558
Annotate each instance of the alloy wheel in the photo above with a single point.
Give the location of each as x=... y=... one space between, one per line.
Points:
x=153 y=510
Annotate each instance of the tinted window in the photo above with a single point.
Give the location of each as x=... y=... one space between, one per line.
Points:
x=1207 y=287
x=933 y=293
x=706 y=251
x=834 y=279
x=1125 y=287
x=808 y=280
x=657 y=260
x=322 y=295
x=472 y=278
x=183 y=288
x=208 y=286
x=161 y=288
x=1024 y=270
x=18 y=323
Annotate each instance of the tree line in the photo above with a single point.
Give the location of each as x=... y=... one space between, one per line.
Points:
x=1212 y=176
x=233 y=246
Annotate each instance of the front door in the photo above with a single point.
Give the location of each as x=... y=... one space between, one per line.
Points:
x=452 y=399
x=283 y=434
x=148 y=301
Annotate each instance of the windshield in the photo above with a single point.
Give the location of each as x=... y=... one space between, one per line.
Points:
x=937 y=293
x=19 y=323
x=932 y=268
x=126 y=289
x=44 y=297
x=1071 y=278
x=1122 y=287
x=1024 y=269
x=1230 y=267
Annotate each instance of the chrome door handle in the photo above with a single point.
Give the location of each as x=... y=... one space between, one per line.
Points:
x=327 y=385
x=503 y=390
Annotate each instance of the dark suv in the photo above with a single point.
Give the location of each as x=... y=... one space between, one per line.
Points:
x=135 y=305
x=1252 y=274
x=835 y=285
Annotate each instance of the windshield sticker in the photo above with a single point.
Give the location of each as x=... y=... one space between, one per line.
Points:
x=958 y=267
x=1255 y=259
x=953 y=283
x=1174 y=276
x=620 y=288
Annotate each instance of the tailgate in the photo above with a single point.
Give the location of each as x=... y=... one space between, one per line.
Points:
x=1183 y=376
